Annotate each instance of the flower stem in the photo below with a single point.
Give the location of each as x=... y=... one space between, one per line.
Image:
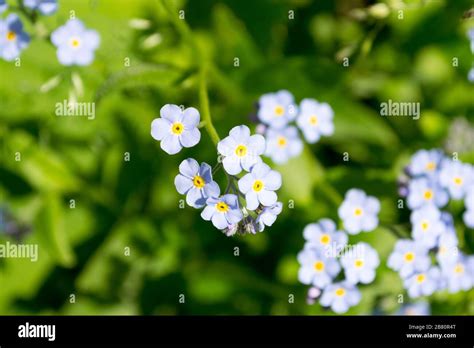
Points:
x=206 y=114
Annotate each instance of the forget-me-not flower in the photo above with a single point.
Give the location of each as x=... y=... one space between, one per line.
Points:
x=360 y=263
x=456 y=177
x=422 y=191
x=46 y=7
x=448 y=251
x=316 y=268
x=409 y=257
x=277 y=109
x=241 y=150
x=423 y=283
x=427 y=225
x=259 y=186
x=12 y=37
x=176 y=128
x=283 y=144
x=268 y=215
x=325 y=236
x=196 y=182
x=223 y=211
x=425 y=162
x=468 y=215
x=340 y=297
x=418 y=308
x=75 y=44
x=3 y=6
x=315 y=120
x=458 y=275
x=359 y=212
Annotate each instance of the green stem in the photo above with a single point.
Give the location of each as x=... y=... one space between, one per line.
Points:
x=206 y=114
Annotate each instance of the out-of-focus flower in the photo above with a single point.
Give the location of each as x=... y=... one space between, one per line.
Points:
x=423 y=283
x=422 y=191
x=427 y=225
x=277 y=109
x=456 y=177
x=340 y=297
x=315 y=120
x=360 y=263
x=359 y=212
x=46 y=7
x=409 y=257
x=324 y=235
x=13 y=39
x=316 y=268
x=283 y=144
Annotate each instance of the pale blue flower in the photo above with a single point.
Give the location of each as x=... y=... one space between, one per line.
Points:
x=325 y=236
x=3 y=6
x=176 y=129
x=283 y=144
x=317 y=269
x=456 y=177
x=277 y=109
x=458 y=275
x=422 y=191
x=448 y=251
x=418 y=308
x=315 y=120
x=75 y=44
x=12 y=37
x=259 y=186
x=468 y=215
x=359 y=212
x=425 y=162
x=470 y=35
x=196 y=182
x=427 y=225
x=360 y=263
x=268 y=215
x=423 y=283
x=241 y=150
x=46 y=7
x=223 y=211
x=408 y=257
x=340 y=297
x=470 y=74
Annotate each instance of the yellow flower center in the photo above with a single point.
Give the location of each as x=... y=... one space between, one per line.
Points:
x=75 y=42
x=282 y=142
x=177 y=128
x=319 y=266
x=425 y=225
x=420 y=278
x=279 y=110
x=258 y=185
x=325 y=239
x=241 y=150
x=313 y=120
x=358 y=212
x=11 y=35
x=459 y=269
x=359 y=263
x=442 y=250
x=409 y=256
x=430 y=166
x=222 y=207
x=199 y=182
x=340 y=292
x=458 y=180
x=428 y=194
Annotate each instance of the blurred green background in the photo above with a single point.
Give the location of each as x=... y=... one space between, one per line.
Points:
x=133 y=204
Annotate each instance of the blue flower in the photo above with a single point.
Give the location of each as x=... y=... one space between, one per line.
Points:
x=419 y=308
x=259 y=186
x=468 y=215
x=12 y=37
x=456 y=177
x=75 y=44
x=323 y=235
x=196 y=182
x=223 y=211
x=360 y=263
x=427 y=225
x=408 y=257
x=425 y=162
x=176 y=129
x=340 y=297
x=46 y=7
x=241 y=150
x=422 y=191
x=316 y=268
x=268 y=215
x=283 y=144
x=423 y=283
x=277 y=109
x=3 y=6
x=315 y=120
x=470 y=74
x=458 y=276
x=359 y=212
x=448 y=251
x=470 y=35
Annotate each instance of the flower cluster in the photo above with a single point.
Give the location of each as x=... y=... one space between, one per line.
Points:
x=327 y=252
x=434 y=180
x=74 y=43
x=276 y=112
x=249 y=202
